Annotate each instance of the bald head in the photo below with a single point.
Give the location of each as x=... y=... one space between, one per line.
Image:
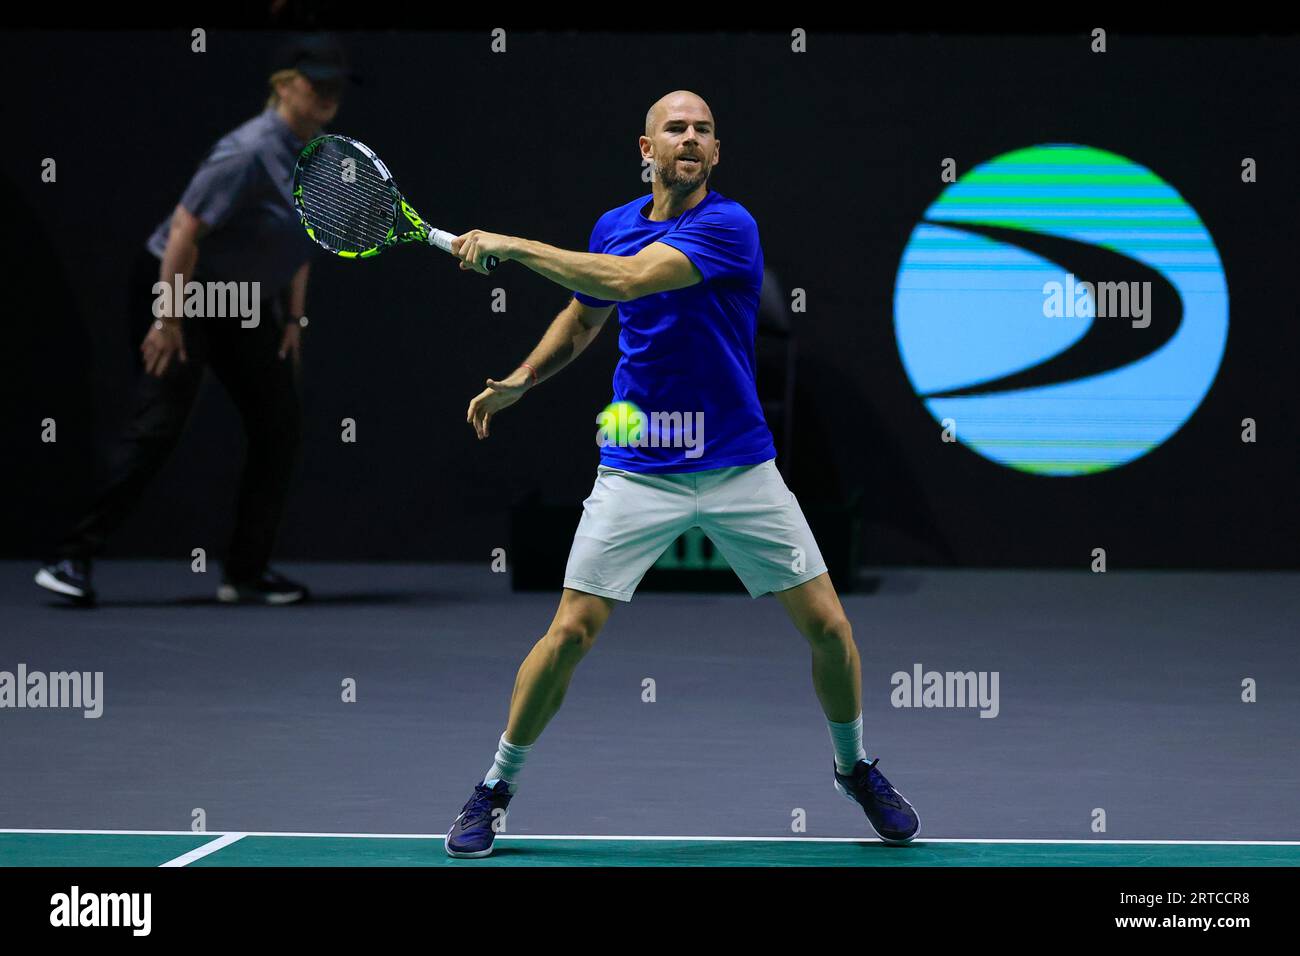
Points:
x=681 y=104
x=680 y=141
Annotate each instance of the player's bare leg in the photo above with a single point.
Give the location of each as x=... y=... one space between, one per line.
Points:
x=815 y=609
x=540 y=686
x=543 y=677
x=837 y=677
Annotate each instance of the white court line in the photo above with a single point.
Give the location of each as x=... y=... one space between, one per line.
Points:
x=199 y=852
x=699 y=839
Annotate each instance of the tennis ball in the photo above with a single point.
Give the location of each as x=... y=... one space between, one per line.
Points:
x=621 y=423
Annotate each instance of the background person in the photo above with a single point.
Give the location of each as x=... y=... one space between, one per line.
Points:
x=236 y=221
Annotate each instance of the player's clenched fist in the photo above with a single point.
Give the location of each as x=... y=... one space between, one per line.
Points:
x=475 y=246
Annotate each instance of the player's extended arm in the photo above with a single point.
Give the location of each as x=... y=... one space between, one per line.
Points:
x=658 y=267
x=570 y=333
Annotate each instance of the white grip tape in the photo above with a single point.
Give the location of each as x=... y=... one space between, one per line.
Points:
x=441 y=239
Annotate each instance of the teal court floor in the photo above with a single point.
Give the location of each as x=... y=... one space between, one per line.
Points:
x=105 y=848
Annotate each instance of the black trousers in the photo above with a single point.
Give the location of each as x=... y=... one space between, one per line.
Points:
x=264 y=389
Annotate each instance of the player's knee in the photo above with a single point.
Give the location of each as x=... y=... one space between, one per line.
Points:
x=832 y=631
x=571 y=637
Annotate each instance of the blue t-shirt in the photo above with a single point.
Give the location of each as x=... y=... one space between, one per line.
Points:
x=688 y=355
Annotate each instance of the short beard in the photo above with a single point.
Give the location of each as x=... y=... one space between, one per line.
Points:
x=668 y=178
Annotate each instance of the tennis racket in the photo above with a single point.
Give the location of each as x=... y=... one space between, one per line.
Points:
x=350 y=205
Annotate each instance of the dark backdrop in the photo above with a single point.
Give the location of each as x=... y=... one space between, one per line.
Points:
x=836 y=153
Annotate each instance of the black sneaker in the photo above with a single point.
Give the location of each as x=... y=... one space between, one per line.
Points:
x=69 y=577
x=270 y=588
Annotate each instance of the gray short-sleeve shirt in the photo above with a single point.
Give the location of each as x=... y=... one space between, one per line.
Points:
x=243 y=191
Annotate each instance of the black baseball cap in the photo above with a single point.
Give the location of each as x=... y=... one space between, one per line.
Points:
x=317 y=56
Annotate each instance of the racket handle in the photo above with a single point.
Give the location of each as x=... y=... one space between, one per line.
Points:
x=443 y=241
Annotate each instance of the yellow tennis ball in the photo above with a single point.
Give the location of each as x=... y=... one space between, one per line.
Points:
x=621 y=423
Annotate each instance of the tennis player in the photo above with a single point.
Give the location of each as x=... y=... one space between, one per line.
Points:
x=235 y=223
x=684 y=268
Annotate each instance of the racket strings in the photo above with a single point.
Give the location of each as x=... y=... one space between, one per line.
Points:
x=354 y=214
x=366 y=184
x=348 y=215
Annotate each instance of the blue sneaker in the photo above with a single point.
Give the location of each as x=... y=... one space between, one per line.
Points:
x=471 y=834
x=888 y=811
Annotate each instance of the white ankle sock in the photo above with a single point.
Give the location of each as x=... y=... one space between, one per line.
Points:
x=847 y=739
x=508 y=763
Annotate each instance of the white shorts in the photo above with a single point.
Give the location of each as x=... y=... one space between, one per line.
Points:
x=747 y=511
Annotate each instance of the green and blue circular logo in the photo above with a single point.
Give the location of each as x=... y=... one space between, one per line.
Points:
x=1061 y=309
